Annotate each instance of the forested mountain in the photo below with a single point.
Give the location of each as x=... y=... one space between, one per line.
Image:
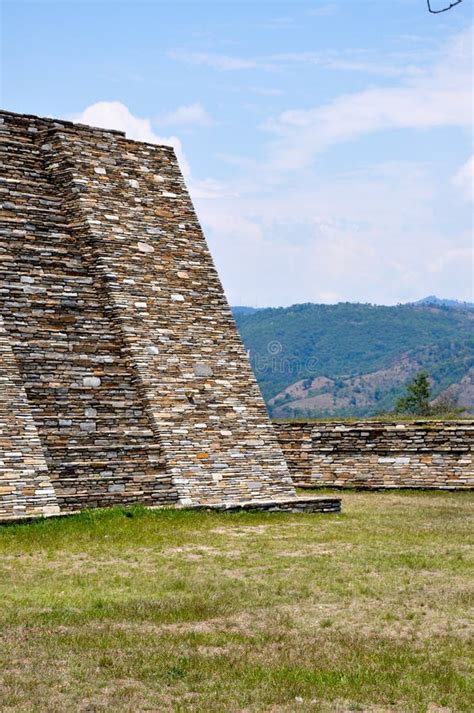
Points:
x=356 y=359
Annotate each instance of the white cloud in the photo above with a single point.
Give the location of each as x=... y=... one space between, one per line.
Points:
x=190 y=115
x=441 y=97
x=369 y=235
x=464 y=179
x=115 y=115
x=454 y=256
x=281 y=233
x=387 y=233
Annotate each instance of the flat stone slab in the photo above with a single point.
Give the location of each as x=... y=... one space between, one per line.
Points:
x=316 y=504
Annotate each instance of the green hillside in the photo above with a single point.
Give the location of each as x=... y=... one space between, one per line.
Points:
x=354 y=359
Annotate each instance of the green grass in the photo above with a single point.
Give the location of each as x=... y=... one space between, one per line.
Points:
x=136 y=610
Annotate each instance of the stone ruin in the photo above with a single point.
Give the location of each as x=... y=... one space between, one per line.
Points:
x=122 y=376
x=379 y=455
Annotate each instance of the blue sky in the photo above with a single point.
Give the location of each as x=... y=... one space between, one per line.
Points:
x=327 y=145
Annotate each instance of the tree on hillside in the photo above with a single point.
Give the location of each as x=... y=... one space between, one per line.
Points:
x=416 y=401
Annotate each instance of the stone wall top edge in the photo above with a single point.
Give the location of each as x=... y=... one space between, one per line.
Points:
x=123 y=138
x=365 y=425
x=57 y=124
x=120 y=136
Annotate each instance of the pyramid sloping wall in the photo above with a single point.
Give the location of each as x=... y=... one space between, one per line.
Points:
x=25 y=486
x=134 y=373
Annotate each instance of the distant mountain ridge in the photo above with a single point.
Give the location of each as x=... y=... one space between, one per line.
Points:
x=429 y=300
x=244 y=310
x=439 y=302
x=355 y=359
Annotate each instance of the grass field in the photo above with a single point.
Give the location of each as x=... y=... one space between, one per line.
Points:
x=133 y=610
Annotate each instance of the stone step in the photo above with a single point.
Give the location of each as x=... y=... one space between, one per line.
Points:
x=315 y=504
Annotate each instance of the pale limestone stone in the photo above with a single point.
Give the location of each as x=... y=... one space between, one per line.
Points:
x=91 y=381
x=145 y=248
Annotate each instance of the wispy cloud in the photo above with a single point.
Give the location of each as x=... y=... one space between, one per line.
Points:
x=324 y=10
x=221 y=62
x=364 y=235
x=396 y=65
x=188 y=115
x=281 y=233
x=440 y=97
x=347 y=61
x=464 y=179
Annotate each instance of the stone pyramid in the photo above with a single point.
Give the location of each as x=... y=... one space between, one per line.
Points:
x=122 y=377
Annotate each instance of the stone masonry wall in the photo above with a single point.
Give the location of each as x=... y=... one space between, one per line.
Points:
x=130 y=207
x=96 y=435
x=423 y=454
x=134 y=374
x=25 y=486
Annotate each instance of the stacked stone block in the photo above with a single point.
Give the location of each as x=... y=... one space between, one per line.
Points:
x=423 y=454
x=135 y=377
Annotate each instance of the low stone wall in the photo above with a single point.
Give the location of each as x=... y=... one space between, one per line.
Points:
x=420 y=454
